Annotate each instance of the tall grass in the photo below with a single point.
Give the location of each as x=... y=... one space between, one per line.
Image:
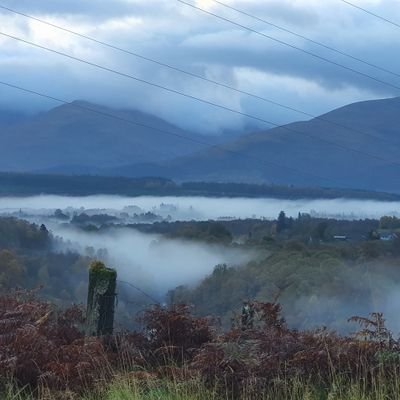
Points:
x=125 y=387
x=181 y=357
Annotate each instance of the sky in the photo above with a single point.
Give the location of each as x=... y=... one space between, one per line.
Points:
x=179 y=35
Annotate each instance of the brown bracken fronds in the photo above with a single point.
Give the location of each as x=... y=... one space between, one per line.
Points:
x=41 y=346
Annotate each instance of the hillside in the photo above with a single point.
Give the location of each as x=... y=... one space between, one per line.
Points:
x=278 y=155
x=71 y=139
x=8 y=118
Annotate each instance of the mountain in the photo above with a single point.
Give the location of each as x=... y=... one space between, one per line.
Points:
x=314 y=152
x=72 y=139
x=8 y=118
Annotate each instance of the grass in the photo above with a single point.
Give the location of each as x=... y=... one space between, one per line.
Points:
x=166 y=391
x=126 y=388
x=179 y=357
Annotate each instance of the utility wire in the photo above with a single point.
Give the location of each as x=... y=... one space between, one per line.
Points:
x=325 y=46
x=140 y=290
x=135 y=78
x=122 y=74
x=318 y=57
x=167 y=132
x=191 y=74
x=371 y=13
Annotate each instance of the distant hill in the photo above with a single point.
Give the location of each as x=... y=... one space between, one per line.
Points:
x=71 y=139
x=300 y=156
x=8 y=118
x=25 y=184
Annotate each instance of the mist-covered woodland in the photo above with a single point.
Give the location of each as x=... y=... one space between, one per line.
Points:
x=323 y=270
x=181 y=288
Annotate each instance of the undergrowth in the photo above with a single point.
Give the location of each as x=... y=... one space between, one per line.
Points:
x=177 y=356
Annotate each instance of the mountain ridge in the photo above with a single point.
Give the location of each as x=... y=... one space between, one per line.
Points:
x=347 y=151
x=354 y=146
x=70 y=135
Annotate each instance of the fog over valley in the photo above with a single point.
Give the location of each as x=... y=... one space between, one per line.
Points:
x=193 y=208
x=161 y=243
x=151 y=262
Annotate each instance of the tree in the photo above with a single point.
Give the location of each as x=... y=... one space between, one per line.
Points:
x=60 y=215
x=320 y=230
x=218 y=232
x=12 y=271
x=281 y=225
x=388 y=222
x=373 y=235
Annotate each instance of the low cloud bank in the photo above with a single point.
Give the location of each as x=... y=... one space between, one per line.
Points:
x=149 y=261
x=202 y=208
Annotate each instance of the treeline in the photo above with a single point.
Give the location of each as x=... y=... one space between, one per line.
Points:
x=389 y=223
x=28 y=259
x=281 y=191
x=31 y=257
x=22 y=184
x=319 y=280
x=316 y=284
x=304 y=228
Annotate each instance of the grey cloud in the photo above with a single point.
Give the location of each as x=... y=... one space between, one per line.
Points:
x=184 y=37
x=91 y=8
x=277 y=11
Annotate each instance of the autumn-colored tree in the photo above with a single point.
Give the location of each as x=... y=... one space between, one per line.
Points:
x=11 y=270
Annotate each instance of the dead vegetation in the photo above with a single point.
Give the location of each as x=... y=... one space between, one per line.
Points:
x=41 y=346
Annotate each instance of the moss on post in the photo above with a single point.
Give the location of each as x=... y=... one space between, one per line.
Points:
x=101 y=299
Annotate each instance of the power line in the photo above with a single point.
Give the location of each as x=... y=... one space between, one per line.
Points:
x=174 y=68
x=318 y=57
x=103 y=113
x=122 y=74
x=140 y=290
x=371 y=13
x=191 y=74
x=135 y=78
x=325 y=46
x=209 y=145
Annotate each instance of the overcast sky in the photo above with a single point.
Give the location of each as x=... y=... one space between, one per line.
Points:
x=179 y=35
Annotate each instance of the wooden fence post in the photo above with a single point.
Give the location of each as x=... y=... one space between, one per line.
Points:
x=101 y=299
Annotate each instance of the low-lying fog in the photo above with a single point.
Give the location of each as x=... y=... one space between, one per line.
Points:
x=157 y=264
x=154 y=263
x=129 y=209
